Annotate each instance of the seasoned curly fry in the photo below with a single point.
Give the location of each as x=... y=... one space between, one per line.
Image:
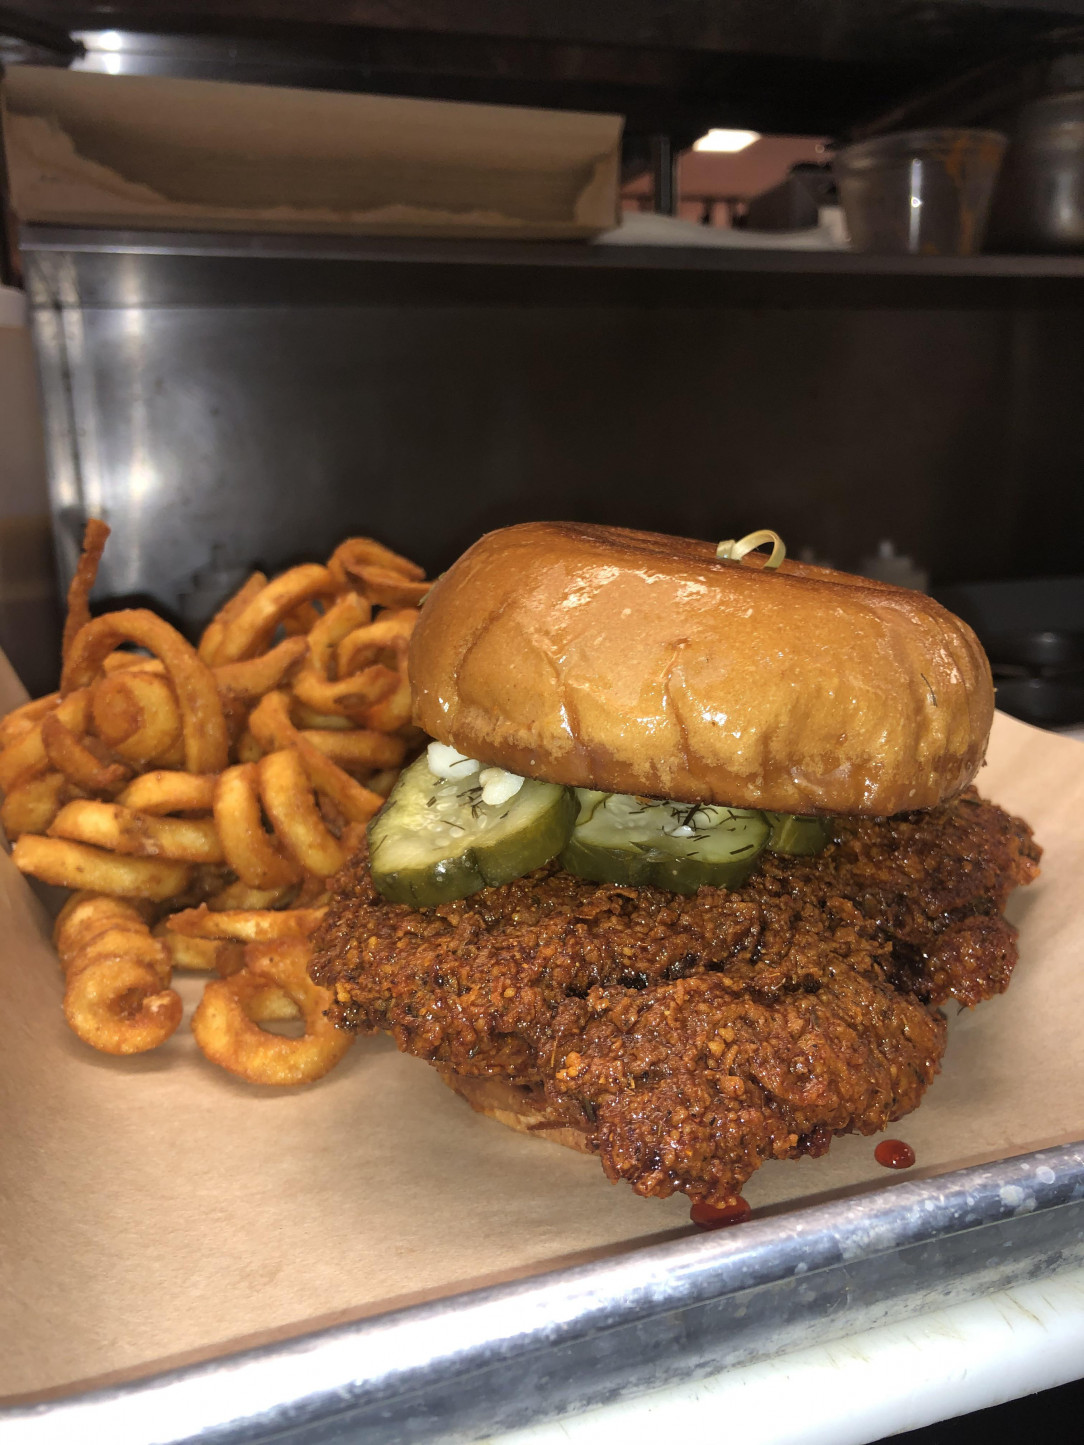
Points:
x=240 y=896
x=237 y=776
x=86 y=915
x=226 y=1031
x=229 y=958
x=386 y=640
x=300 y=622
x=358 y=750
x=135 y=713
x=307 y=717
x=74 y=865
x=140 y=835
x=250 y=680
x=272 y=728
x=77 y=762
x=392 y=712
x=249 y=632
x=133 y=661
x=133 y=941
x=358 y=552
x=95 y=537
x=350 y=696
x=170 y=792
x=247 y=925
x=346 y=616
x=199 y=955
x=114 y=710
x=206 y=744
x=25 y=756
x=270 y=724
x=21 y=721
x=115 y=1005
x=247 y=749
x=356 y=803
x=250 y=852
x=288 y=802
x=215 y=631
x=268 y=1004
x=386 y=588
x=117 y=997
x=31 y=805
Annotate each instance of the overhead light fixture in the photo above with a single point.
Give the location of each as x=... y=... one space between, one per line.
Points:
x=727 y=141
x=106 y=40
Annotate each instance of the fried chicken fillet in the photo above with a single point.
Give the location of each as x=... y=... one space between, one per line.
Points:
x=686 y=1039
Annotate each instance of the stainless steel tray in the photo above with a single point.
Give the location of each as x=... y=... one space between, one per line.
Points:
x=487 y=1360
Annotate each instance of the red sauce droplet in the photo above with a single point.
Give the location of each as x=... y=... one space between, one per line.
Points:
x=894 y=1154
x=711 y=1216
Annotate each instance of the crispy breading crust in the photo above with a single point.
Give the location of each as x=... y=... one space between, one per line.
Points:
x=692 y=1038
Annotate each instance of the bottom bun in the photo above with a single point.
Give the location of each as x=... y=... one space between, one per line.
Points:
x=522 y=1107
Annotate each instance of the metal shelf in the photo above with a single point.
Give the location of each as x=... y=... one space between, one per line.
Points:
x=559 y=254
x=85 y=267
x=813 y=67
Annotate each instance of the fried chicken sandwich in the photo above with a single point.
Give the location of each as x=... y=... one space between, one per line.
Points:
x=693 y=859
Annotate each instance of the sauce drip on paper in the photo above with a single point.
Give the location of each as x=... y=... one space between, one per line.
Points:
x=894 y=1154
x=710 y=1216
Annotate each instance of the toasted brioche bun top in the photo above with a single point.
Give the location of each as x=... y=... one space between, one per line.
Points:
x=638 y=663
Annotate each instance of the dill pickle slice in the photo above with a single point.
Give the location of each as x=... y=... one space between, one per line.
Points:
x=796 y=835
x=619 y=838
x=435 y=840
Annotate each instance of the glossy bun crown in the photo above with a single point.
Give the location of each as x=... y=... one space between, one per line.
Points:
x=639 y=663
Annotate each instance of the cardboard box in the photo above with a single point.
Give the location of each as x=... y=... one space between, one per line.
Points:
x=102 y=150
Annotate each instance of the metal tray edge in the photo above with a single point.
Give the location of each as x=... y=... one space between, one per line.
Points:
x=673 y=1309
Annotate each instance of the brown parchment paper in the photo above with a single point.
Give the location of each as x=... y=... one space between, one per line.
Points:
x=157 y=1209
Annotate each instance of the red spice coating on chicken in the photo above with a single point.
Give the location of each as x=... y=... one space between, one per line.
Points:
x=688 y=1039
